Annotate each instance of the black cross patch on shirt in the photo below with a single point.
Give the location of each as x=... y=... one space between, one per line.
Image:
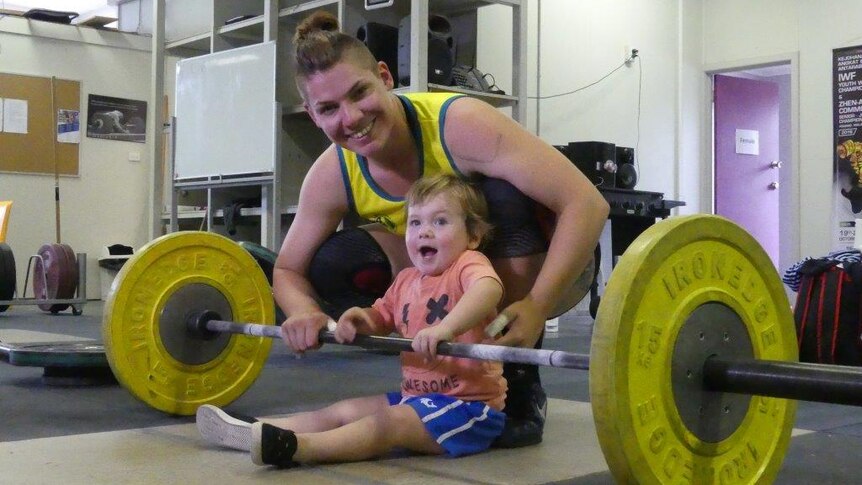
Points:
x=436 y=309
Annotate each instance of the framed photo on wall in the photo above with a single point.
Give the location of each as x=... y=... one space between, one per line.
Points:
x=116 y=118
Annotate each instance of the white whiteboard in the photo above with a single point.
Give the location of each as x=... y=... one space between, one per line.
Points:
x=226 y=113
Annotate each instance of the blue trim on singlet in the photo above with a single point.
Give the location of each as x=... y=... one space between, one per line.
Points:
x=413 y=124
x=443 y=110
x=366 y=174
x=345 y=178
x=415 y=129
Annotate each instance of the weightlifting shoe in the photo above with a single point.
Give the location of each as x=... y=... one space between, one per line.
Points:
x=272 y=445
x=226 y=429
x=525 y=419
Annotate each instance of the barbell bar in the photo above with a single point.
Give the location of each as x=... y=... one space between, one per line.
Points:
x=208 y=321
x=834 y=384
x=792 y=380
x=691 y=361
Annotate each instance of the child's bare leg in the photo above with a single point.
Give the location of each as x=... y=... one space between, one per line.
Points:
x=371 y=436
x=332 y=416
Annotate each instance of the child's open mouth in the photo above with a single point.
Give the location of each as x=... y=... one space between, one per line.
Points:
x=426 y=251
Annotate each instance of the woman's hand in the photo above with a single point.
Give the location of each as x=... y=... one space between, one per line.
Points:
x=524 y=320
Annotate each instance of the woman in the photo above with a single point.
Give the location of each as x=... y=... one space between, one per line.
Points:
x=382 y=143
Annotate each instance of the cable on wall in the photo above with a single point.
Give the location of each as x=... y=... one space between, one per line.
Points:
x=625 y=62
x=630 y=59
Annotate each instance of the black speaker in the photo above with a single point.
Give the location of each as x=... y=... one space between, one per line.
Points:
x=596 y=159
x=382 y=41
x=441 y=50
x=440 y=28
x=627 y=175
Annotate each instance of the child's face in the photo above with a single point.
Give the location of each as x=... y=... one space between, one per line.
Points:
x=437 y=234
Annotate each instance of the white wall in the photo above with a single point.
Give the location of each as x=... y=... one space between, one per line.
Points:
x=583 y=41
x=694 y=171
x=108 y=201
x=679 y=41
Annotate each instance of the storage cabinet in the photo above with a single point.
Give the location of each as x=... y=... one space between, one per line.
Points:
x=202 y=27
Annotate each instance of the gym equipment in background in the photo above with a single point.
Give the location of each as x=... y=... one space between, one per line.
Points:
x=441 y=50
x=382 y=41
x=627 y=174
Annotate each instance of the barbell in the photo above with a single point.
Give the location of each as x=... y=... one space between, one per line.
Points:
x=692 y=361
x=805 y=382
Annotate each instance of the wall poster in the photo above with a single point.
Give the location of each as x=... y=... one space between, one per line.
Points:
x=116 y=118
x=68 y=126
x=847 y=145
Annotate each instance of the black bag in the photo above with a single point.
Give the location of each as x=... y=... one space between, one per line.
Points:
x=828 y=314
x=54 y=16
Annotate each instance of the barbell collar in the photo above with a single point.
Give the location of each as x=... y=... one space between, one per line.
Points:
x=547 y=358
x=791 y=380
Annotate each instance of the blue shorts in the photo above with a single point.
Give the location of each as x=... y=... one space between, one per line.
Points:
x=460 y=427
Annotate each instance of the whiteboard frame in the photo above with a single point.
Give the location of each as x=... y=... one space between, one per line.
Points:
x=226 y=113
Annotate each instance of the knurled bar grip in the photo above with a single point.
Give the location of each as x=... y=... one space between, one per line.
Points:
x=547 y=358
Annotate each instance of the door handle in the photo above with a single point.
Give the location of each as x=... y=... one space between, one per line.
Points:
x=773 y=186
x=775 y=164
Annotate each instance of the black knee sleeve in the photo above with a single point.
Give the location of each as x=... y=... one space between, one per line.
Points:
x=349 y=269
x=515 y=217
x=525 y=386
x=523 y=374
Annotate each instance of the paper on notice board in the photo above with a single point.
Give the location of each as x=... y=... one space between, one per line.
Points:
x=15 y=115
x=68 y=126
x=1 y=115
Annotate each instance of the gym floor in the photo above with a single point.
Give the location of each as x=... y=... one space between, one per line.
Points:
x=88 y=434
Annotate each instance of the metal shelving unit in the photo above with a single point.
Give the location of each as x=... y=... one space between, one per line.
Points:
x=256 y=21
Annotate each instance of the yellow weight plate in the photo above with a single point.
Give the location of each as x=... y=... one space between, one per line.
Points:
x=146 y=344
x=680 y=266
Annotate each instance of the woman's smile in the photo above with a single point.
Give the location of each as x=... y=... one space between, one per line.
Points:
x=364 y=131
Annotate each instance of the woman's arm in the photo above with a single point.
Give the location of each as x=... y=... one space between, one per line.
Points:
x=483 y=140
x=322 y=206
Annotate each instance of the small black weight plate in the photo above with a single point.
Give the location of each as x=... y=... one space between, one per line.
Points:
x=57 y=354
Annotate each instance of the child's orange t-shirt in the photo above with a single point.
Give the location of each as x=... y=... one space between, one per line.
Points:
x=414 y=302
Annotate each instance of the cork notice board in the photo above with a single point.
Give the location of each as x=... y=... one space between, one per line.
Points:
x=32 y=152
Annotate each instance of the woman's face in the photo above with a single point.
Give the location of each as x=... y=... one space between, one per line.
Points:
x=352 y=106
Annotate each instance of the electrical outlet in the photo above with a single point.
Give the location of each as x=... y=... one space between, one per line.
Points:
x=630 y=53
x=134 y=156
